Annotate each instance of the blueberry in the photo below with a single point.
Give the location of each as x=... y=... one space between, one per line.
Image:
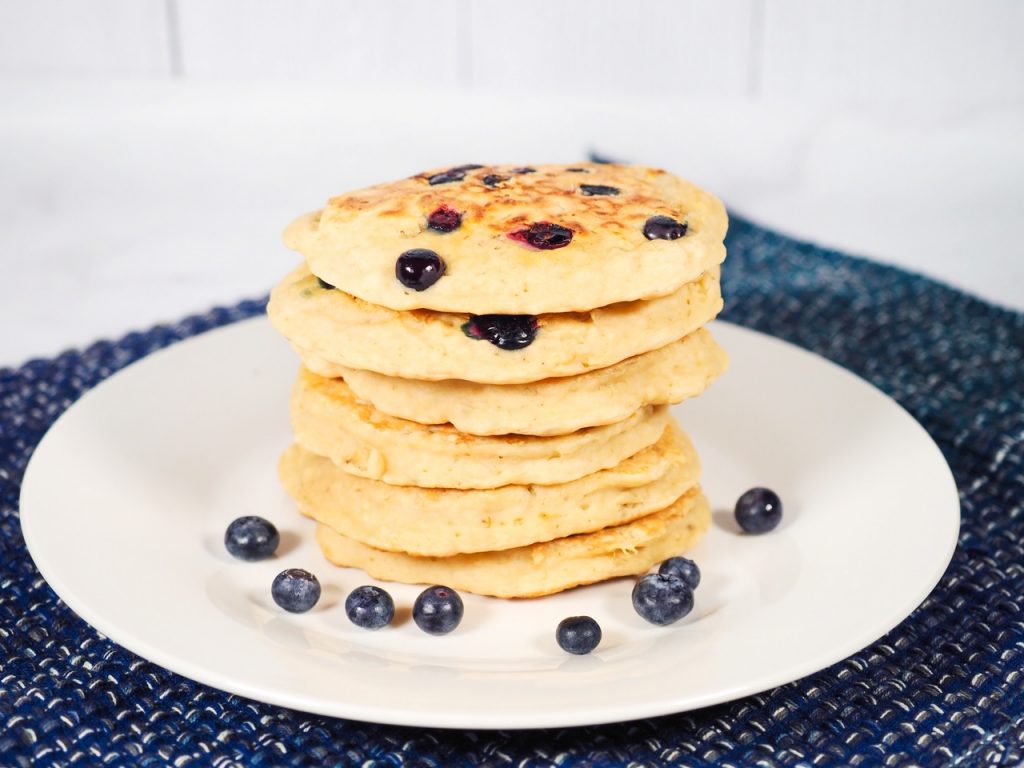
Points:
x=438 y=610
x=493 y=179
x=370 y=607
x=444 y=219
x=419 y=268
x=578 y=634
x=503 y=331
x=458 y=173
x=663 y=228
x=682 y=568
x=598 y=189
x=324 y=284
x=251 y=538
x=662 y=599
x=759 y=510
x=543 y=235
x=524 y=169
x=296 y=590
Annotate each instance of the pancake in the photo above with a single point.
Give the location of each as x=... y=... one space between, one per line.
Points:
x=332 y=331
x=441 y=522
x=354 y=242
x=670 y=374
x=328 y=420
x=538 y=569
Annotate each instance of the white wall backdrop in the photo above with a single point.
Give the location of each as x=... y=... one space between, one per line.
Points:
x=944 y=52
x=151 y=151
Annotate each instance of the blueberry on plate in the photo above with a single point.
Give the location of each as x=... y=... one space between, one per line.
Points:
x=251 y=538
x=578 y=635
x=438 y=610
x=419 y=268
x=663 y=228
x=369 y=607
x=682 y=568
x=759 y=510
x=662 y=600
x=296 y=590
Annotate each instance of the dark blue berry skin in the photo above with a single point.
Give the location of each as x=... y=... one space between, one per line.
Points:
x=578 y=635
x=324 y=284
x=419 y=268
x=662 y=600
x=663 y=228
x=590 y=190
x=543 y=235
x=370 y=607
x=251 y=538
x=759 y=510
x=493 y=179
x=524 y=169
x=444 y=219
x=458 y=173
x=682 y=568
x=296 y=590
x=503 y=331
x=438 y=610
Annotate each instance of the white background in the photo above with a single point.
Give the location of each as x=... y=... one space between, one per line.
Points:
x=152 y=150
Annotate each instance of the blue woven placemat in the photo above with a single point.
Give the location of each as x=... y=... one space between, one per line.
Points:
x=945 y=687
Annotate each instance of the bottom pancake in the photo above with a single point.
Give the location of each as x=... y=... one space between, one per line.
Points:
x=538 y=569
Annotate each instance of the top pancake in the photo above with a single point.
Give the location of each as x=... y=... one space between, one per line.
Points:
x=354 y=242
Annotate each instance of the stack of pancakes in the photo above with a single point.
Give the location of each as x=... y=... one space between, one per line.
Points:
x=488 y=358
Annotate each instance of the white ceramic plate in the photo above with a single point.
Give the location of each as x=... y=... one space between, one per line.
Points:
x=125 y=502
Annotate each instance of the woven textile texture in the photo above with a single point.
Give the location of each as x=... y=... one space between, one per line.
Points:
x=946 y=687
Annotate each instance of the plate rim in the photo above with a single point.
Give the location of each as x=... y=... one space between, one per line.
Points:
x=480 y=720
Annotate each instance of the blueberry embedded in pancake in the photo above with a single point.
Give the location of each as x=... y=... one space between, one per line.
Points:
x=493 y=179
x=598 y=189
x=664 y=228
x=458 y=173
x=543 y=236
x=503 y=331
x=419 y=268
x=444 y=219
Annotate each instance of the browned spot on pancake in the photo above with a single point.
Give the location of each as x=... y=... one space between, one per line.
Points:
x=550 y=194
